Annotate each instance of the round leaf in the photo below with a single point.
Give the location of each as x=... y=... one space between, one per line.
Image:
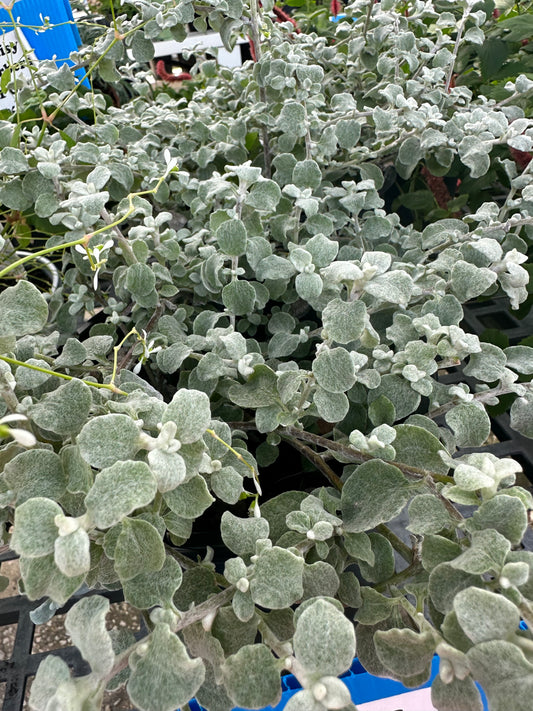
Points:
x=108 y=439
x=119 y=490
x=324 y=641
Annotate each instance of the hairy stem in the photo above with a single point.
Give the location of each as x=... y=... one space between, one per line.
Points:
x=316 y=460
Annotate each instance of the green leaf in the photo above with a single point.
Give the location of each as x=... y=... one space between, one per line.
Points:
x=163 y=676
x=522 y=415
x=35 y=530
x=308 y=287
x=394 y=287
x=35 y=473
x=332 y=407
x=275 y=511
x=492 y=54
x=239 y=297
x=191 y=411
x=119 y=490
x=231 y=632
x=344 y=321
x=140 y=280
x=65 y=410
x=168 y=468
x=107 y=439
x=80 y=476
x=41 y=577
x=51 y=674
x=72 y=553
x=260 y=390
x=307 y=174
x=292 y=119
x=374 y=608
x=358 y=545
x=374 y=493
x=142 y=48
x=27 y=378
x=169 y=360
x=85 y=623
x=324 y=641
x=264 y=196
x=417 y=447
x=399 y=392
x=469 y=281
x=240 y=534
x=520 y=358
x=470 y=424
x=252 y=678
x=520 y=27
x=154 y=588
x=405 y=652
x=73 y=353
x=437 y=549
x=485 y=615
x=349 y=592
x=487 y=553
x=457 y=695
x=303 y=700
x=383 y=567
x=320 y=580
x=277 y=579
x=191 y=499
x=348 y=132
x=505 y=674
x=489 y=365
x=13 y=161
x=226 y=484
x=427 y=514
x=334 y=370
x=139 y=549
x=445 y=582
x=506 y=514
x=23 y=310
x=232 y=237
x=381 y=411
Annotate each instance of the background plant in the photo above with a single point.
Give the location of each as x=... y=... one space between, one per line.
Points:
x=241 y=252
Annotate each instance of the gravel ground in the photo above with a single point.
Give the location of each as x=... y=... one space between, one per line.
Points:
x=53 y=635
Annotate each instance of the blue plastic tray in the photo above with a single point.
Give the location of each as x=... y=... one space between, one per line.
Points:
x=363 y=687
x=57 y=41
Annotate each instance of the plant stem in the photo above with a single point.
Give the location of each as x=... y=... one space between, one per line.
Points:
x=256 y=40
x=316 y=460
x=368 y=16
x=200 y=611
x=41 y=252
x=102 y=386
x=396 y=542
x=483 y=396
x=460 y=31
x=402 y=576
x=125 y=245
x=355 y=455
x=240 y=458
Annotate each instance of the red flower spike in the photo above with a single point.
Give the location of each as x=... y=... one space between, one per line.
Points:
x=282 y=16
x=252 y=49
x=521 y=158
x=168 y=77
x=335 y=8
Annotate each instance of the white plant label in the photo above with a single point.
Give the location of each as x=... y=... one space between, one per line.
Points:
x=11 y=57
x=419 y=700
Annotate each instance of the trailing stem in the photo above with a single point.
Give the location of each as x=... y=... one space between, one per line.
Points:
x=460 y=30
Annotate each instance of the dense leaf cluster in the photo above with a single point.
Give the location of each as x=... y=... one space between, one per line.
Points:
x=239 y=273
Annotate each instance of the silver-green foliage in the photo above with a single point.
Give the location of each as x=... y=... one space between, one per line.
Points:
x=248 y=284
